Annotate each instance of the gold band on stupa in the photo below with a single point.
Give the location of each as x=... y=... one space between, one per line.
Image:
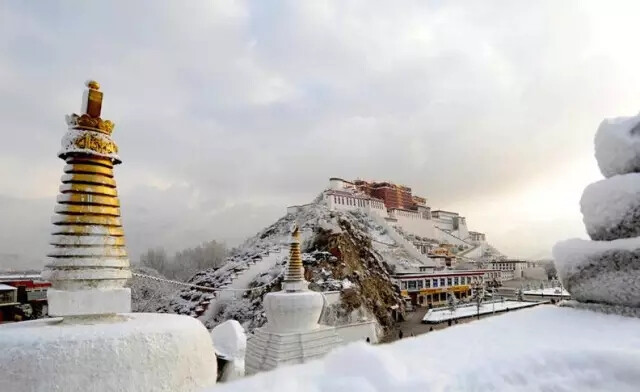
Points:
x=295 y=270
x=87 y=227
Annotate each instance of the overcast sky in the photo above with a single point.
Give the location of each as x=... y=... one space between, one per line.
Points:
x=228 y=111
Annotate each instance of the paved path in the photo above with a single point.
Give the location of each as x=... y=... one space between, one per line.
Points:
x=414 y=326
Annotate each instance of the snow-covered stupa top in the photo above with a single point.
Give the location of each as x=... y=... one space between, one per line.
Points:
x=603 y=273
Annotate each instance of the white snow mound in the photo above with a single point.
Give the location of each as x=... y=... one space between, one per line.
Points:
x=579 y=351
x=605 y=203
x=229 y=340
x=570 y=254
x=617 y=144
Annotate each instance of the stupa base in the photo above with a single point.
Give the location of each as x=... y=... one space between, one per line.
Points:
x=89 y=302
x=268 y=350
x=124 y=352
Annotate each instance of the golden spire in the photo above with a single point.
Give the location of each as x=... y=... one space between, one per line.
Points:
x=88 y=259
x=295 y=270
x=90 y=117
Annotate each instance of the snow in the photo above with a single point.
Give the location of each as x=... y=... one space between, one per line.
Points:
x=617 y=144
x=346 y=284
x=546 y=348
x=127 y=352
x=440 y=315
x=605 y=203
x=68 y=143
x=312 y=219
x=570 y=255
x=549 y=291
x=229 y=340
x=6 y=287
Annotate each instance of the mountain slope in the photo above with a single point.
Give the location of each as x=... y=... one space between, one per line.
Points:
x=343 y=251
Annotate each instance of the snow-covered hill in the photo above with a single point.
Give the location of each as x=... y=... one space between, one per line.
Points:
x=342 y=251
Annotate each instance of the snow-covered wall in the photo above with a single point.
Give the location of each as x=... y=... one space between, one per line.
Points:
x=414 y=223
x=358 y=332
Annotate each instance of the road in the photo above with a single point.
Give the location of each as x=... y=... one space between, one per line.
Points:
x=414 y=326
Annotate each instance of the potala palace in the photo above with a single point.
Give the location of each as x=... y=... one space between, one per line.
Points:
x=447 y=256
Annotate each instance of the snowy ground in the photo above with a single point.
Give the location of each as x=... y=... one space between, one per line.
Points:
x=548 y=292
x=546 y=348
x=440 y=315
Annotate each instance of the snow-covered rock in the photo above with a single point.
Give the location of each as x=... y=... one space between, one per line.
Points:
x=600 y=271
x=611 y=207
x=606 y=272
x=617 y=145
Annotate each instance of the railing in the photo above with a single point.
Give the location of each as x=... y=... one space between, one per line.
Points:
x=203 y=288
x=454 y=236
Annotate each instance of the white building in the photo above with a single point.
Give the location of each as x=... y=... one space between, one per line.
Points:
x=442 y=226
x=509 y=269
x=477 y=238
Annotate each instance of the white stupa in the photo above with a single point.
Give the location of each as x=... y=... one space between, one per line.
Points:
x=94 y=343
x=292 y=333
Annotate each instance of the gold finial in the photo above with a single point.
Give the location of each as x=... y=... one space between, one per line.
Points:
x=92 y=99
x=93 y=85
x=295 y=270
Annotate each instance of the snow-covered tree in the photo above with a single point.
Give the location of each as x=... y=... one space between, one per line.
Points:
x=478 y=297
x=187 y=262
x=452 y=302
x=520 y=294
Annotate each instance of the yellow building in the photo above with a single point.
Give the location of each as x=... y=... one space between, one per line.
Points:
x=432 y=289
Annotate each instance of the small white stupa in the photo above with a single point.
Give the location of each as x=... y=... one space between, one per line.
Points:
x=292 y=333
x=94 y=343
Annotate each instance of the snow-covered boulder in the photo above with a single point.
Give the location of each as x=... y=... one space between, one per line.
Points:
x=618 y=145
x=611 y=207
x=600 y=271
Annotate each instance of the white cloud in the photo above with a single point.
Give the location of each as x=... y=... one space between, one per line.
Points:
x=230 y=109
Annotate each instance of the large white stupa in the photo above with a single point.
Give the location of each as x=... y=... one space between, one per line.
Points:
x=94 y=343
x=292 y=333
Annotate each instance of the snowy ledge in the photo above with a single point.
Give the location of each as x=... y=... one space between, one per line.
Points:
x=570 y=255
x=580 y=350
x=604 y=272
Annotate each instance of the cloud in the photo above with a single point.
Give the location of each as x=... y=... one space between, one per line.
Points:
x=227 y=111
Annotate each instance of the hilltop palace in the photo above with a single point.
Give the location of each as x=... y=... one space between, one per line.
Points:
x=451 y=258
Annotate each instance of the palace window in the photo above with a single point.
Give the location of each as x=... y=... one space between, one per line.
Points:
x=448 y=281
x=420 y=283
x=455 y=281
x=427 y=283
x=412 y=284
x=435 y=283
x=442 y=282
